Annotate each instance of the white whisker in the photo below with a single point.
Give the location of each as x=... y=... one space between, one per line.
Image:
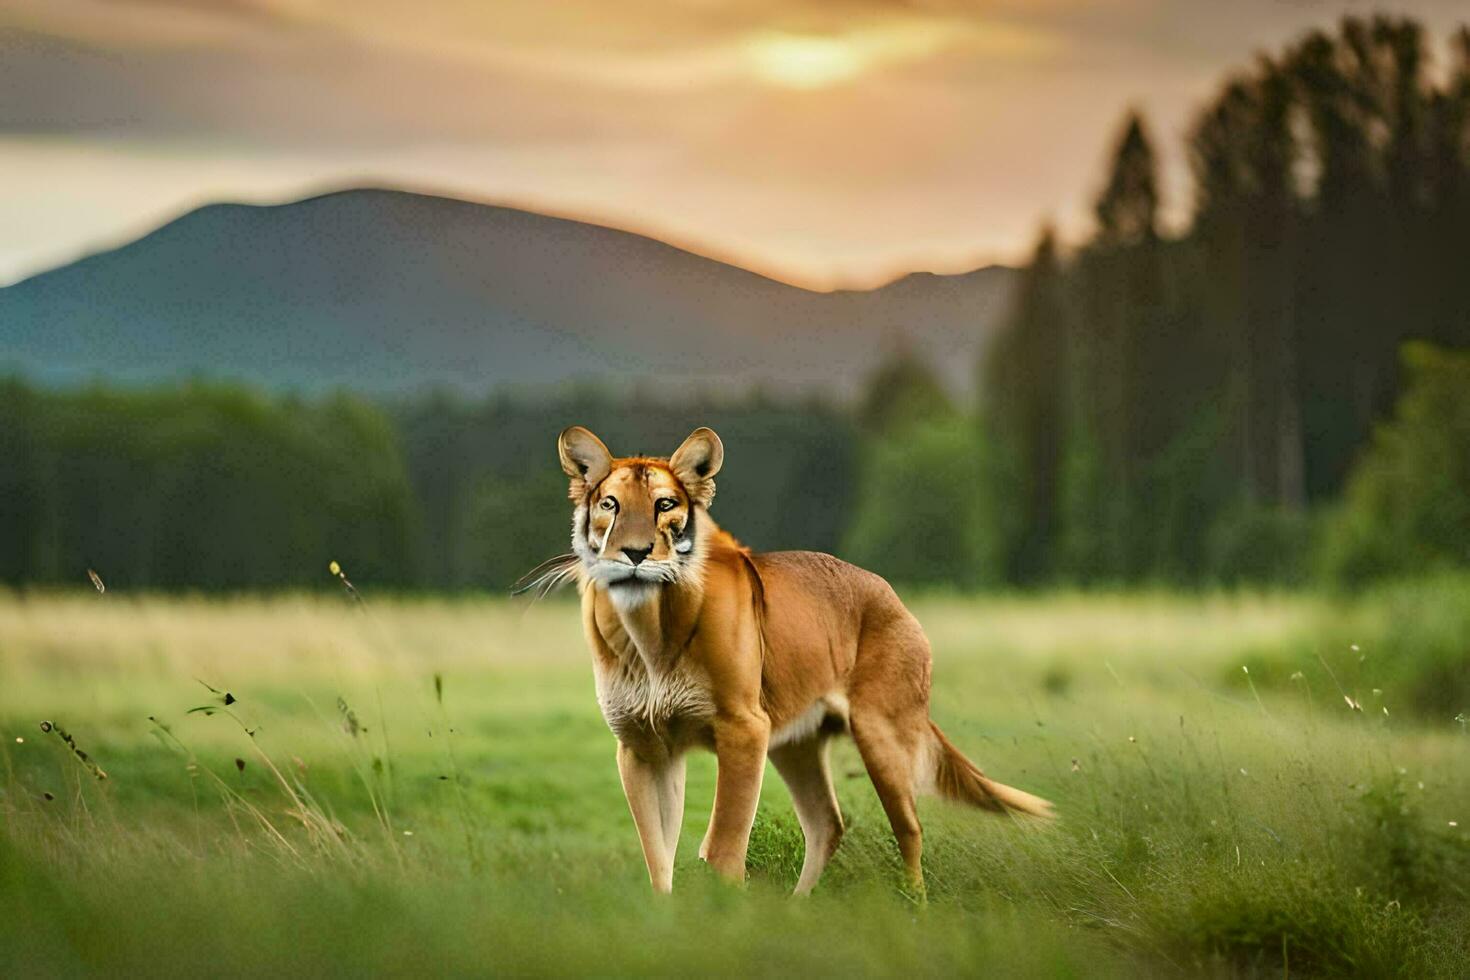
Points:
x=607 y=536
x=548 y=575
x=561 y=578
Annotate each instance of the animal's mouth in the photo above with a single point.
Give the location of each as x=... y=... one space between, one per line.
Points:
x=617 y=574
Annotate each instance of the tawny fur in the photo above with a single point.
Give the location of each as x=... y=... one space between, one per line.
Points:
x=699 y=643
x=957 y=778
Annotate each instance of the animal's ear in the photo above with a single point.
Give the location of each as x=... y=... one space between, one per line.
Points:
x=583 y=457
x=696 y=462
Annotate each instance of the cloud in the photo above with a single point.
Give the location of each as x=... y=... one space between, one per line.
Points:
x=282 y=92
x=839 y=135
x=254 y=10
x=296 y=77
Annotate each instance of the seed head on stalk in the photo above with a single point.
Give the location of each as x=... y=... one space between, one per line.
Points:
x=336 y=570
x=50 y=728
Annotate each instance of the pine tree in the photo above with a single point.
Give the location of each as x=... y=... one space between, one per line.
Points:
x=1027 y=390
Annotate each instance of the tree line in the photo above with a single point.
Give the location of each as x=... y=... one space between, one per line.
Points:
x=198 y=487
x=1166 y=407
x=208 y=486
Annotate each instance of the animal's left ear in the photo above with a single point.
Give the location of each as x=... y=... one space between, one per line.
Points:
x=696 y=462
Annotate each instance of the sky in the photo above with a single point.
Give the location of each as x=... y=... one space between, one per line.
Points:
x=824 y=142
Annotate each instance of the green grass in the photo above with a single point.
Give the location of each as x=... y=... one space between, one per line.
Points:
x=474 y=823
x=1406 y=641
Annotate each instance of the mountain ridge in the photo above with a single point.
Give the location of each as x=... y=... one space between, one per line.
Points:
x=388 y=290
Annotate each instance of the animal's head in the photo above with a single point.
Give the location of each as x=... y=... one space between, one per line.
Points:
x=636 y=520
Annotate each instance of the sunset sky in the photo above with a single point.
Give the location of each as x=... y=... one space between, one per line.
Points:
x=821 y=141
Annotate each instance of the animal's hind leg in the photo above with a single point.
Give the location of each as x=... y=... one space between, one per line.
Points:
x=889 y=716
x=890 y=755
x=803 y=765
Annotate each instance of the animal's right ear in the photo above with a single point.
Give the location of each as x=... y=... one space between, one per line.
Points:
x=584 y=458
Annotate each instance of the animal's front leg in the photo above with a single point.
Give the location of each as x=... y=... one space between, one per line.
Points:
x=740 y=749
x=671 y=805
x=649 y=785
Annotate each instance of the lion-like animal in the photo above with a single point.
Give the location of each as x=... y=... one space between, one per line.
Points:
x=699 y=643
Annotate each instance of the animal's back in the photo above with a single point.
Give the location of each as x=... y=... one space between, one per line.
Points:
x=820 y=574
x=817 y=609
x=810 y=581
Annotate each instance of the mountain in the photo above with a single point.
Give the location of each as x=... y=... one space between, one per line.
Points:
x=388 y=291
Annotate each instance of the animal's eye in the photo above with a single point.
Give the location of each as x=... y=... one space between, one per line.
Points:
x=666 y=503
x=609 y=503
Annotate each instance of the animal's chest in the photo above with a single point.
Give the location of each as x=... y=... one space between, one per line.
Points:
x=670 y=706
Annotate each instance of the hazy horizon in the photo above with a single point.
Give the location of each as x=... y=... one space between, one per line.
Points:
x=822 y=144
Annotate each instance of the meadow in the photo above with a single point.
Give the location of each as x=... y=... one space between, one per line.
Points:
x=1247 y=784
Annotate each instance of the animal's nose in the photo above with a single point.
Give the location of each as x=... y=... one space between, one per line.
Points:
x=636 y=555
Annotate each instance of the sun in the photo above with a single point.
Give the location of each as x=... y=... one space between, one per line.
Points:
x=804 y=61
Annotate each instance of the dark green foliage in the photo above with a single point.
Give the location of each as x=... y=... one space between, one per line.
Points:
x=920 y=516
x=217 y=487
x=1170 y=409
x=1260 y=544
x=1408 y=504
x=903 y=391
x=199 y=487
x=922 y=513
x=1299 y=930
x=511 y=524
x=1127 y=209
x=1029 y=417
x=1404 y=856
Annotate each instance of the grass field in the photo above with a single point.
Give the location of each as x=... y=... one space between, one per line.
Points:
x=412 y=787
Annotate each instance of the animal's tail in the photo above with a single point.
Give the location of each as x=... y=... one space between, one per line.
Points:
x=957 y=778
